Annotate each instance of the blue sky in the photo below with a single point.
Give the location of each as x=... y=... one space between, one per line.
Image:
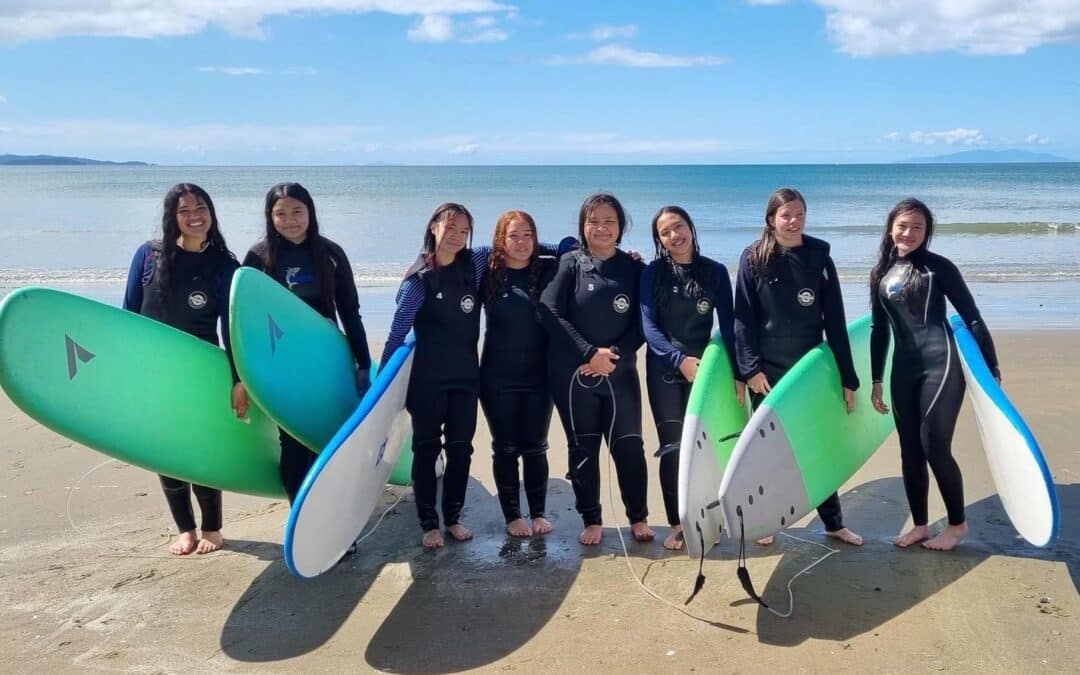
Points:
x=486 y=82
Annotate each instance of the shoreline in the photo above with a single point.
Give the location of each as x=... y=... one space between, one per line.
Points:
x=86 y=582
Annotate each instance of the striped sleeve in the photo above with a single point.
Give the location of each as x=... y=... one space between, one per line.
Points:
x=410 y=299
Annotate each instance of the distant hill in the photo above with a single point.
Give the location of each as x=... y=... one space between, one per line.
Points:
x=987 y=157
x=53 y=160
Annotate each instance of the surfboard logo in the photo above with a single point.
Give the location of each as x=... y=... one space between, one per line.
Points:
x=468 y=303
x=275 y=333
x=381 y=452
x=805 y=297
x=621 y=303
x=76 y=354
x=703 y=306
x=197 y=300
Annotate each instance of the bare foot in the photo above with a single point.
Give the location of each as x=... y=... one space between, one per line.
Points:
x=541 y=525
x=674 y=542
x=459 y=532
x=210 y=542
x=845 y=535
x=184 y=543
x=433 y=539
x=913 y=536
x=519 y=528
x=764 y=541
x=592 y=535
x=642 y=532
x=948 y=538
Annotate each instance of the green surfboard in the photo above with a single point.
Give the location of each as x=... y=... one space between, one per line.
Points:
x=295 y=363
x=712 y=424
x=801 y=445
x=134 y=389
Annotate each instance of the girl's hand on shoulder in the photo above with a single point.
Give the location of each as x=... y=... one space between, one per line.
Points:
x=240 y=402
x=877 y=400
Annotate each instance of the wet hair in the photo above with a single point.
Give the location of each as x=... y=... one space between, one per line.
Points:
x=269 y=247
x=887 y=253
x=170 y=232
x=695 y=278
x=763 y=250
x=590 y=204
x=427 y=259
x=497 y=274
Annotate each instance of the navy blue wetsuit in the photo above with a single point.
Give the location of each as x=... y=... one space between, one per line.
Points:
x=927 y=385
x=780 y=317
x=295 y=268
x=197 y=298
x=513 y=384
x=677 y=306
x=593 y=303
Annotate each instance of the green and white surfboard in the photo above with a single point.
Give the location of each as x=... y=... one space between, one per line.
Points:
x=801 y=445
x=295 y=363
x=134 y=389
x=712 y=424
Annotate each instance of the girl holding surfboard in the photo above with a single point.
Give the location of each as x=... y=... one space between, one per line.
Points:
x=594 y=319
x=787 y=293
x=513 y=369
x=680 y=291
x=183 y=280
x=908 y=289
x=317 y=270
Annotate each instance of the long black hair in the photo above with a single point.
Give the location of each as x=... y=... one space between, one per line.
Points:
x=763 y=250
x=887 y=254
x=695 y=277
x=590 y=204
x=426 y=259
x=170 y=233
x=270 y=245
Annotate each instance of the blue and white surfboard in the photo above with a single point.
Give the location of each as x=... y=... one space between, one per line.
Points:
x=342 y=489
x=1020 y=472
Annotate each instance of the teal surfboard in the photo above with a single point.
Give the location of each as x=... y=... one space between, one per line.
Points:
x=712 y=424
x=801 y=445
x=134 y=389
x=295 y=363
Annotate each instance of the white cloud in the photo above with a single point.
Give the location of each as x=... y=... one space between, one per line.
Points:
x=617 y=55
x=603 y=33
x=892 y=136
x=1036 y=139
x=958 y=136
x=307 y=72
x=231 y=70
x=868 y=29
x=442 y=28
x=465 y=149
x=27 y=20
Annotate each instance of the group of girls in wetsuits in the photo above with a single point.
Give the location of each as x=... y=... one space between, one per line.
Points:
x=563 y=327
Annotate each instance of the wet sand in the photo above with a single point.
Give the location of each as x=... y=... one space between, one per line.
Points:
x=86 y=583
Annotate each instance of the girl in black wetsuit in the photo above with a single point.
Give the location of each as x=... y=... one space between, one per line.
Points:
x=318 y=272
x=787 y=292
x=680 y=290
x=183 y=280
x=594 y=320
x=513 y=369
x=908 y=289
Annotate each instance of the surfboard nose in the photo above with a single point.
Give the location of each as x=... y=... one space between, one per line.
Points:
x=763 y=490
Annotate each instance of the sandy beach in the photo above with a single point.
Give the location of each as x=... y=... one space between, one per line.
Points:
x=87 y=585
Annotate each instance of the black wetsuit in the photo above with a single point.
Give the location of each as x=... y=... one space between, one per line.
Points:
x=295 y=269
x=593 y=303
x=443 y=309
x=198 y=299
x=677 y=321
x=927 y=385
x=780 y=317
x=513 y=386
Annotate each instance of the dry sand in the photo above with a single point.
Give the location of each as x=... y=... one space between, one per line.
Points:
x=86 y=583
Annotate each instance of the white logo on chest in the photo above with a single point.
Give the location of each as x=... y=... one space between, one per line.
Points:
x=197 y=300
x=467 y=304
x=703 y=307
x=621 y=303
x=805 y=297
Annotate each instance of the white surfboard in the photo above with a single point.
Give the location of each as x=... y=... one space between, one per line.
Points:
x=342 y=489
x=1020 y=472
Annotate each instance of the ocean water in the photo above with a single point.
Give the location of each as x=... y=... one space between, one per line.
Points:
x=1013 y=229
